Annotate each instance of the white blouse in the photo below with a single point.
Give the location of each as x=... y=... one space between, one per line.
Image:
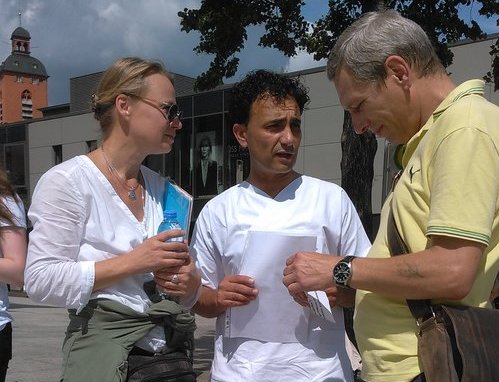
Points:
x=79 y=219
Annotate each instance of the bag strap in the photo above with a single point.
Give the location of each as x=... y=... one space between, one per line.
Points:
x=420 y=309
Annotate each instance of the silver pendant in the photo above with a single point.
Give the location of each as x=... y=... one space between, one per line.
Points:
x=132 y=195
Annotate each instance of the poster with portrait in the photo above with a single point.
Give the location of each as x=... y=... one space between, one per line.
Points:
x=206 y=170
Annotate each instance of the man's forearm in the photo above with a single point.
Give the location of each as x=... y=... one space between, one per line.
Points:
x=435 y=273
x=207 y=305
x=446 y=270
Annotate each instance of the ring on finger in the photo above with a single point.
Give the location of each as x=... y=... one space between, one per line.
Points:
x=174 y=279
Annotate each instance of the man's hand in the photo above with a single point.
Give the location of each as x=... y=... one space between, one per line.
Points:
x=233 y=290
x=306 y=271
x=337 y=296
x=236 y=290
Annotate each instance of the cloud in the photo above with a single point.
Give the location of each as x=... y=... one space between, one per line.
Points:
x=303 y=60
x=74 y=38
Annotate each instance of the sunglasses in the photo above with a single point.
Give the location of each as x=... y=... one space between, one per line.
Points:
x=169 y=110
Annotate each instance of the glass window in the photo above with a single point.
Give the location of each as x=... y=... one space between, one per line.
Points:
x=14 y=164
x=184 y=153
x=208 y=103
x=175 y=164
x=57 y=154
x=170 y=164
x=208 y=155
x=91 y=145
x=155 y=162
x=15 y=133
x=237 y=158
x=227 y=98
x=185 y=104
x=26 y=105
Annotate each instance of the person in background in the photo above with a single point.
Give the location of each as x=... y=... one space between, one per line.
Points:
x=445 y=204
x=94 y=245
x=13 y=246
x=206 y=171
x=273 y=206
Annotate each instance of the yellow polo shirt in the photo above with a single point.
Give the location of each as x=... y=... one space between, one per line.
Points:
x=449 y=186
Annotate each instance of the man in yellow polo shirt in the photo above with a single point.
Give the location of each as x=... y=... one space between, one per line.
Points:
x=445 y=204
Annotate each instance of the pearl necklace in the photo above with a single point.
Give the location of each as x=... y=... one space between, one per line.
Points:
x=132 y=195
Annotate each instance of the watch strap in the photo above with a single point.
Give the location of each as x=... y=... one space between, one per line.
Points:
x=346 y=260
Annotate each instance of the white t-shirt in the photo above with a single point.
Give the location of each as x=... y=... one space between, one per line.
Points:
x=16 y=207
x=306 y=205
x=79 y=219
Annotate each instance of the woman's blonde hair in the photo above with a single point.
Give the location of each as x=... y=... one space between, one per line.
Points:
x=125 y=76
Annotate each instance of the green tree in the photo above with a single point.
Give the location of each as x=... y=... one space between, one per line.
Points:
x=223 y=28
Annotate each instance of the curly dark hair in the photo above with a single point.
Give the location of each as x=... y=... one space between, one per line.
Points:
x=260 y=83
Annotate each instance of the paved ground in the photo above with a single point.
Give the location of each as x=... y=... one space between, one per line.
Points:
x=38 y=332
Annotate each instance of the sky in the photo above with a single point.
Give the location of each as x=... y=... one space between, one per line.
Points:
x=78 y=37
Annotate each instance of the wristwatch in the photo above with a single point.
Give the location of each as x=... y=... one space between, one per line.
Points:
x=342 y=271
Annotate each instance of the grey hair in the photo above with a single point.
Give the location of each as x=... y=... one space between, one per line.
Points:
x=364 y=46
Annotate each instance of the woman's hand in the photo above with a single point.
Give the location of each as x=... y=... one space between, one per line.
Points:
x=181 y=281
x=152 y=255
x=156 y=253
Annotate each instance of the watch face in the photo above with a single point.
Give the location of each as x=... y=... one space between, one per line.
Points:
x=342 y=273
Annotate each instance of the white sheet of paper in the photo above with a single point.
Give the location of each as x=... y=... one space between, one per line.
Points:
x=273 y=316
x=319 y=304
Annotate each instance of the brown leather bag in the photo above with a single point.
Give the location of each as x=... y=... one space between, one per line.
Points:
x=455 y=343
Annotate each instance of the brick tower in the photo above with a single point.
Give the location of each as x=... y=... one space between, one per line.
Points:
x=23 y=81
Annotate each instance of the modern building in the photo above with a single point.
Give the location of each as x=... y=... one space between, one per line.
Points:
x=70 y=129
x=60 y=137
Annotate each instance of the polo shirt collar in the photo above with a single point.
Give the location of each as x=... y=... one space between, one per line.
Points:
x=466 y=88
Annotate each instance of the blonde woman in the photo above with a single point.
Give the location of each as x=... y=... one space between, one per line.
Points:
x=94 y=244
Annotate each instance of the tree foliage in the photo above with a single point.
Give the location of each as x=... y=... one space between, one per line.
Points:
x=223 y=27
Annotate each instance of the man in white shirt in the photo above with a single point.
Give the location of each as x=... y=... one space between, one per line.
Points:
x=244 y=235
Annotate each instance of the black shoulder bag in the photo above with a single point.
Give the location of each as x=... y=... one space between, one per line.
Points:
x=455 y=343
x=173 y=364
